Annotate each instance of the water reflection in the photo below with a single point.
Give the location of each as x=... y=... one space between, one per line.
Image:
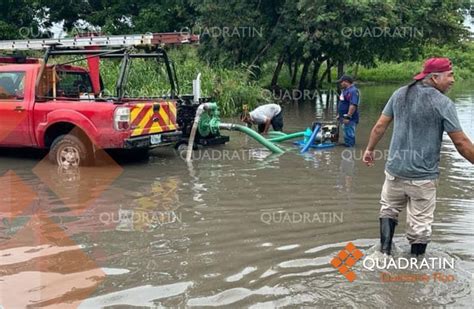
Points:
x=346 y=169
x=42 y=266
x=173 y=235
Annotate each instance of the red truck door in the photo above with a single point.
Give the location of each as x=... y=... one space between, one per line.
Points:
x=14 y=113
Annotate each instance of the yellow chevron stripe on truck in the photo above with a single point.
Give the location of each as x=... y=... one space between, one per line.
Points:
x=142 y=117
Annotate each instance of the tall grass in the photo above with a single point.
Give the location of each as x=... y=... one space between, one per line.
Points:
x=230 y=88
x=386 y=72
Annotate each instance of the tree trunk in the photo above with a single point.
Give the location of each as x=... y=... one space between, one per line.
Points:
x=314 y=77
x=326 y=72
x=289 y=63
x=295 y=73
x=277 y=71
x=267 y=46
x=304 y=73
x=239 y=55
x=329 y=71
x=260 y=54
x=340 y=68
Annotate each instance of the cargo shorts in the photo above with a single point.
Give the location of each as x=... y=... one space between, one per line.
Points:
x=418 y=197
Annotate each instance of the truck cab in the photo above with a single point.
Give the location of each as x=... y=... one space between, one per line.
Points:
x=67 y=108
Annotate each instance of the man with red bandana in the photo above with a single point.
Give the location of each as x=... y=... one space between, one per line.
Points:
x=421 y=113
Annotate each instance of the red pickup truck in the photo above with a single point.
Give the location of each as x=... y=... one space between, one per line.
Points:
x=63 y=107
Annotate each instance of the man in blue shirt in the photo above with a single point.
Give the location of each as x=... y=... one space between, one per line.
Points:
x=348 y=109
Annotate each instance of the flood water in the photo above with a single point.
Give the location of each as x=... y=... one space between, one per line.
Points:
x=238 y=227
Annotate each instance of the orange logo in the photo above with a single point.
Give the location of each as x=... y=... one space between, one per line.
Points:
x=345 y=259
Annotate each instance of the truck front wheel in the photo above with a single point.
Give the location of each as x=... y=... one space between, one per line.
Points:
x=69 y=151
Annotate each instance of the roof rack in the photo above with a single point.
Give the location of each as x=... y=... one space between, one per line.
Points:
x=113 y=41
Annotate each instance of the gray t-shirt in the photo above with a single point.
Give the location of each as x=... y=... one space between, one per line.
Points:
x=421 y=114
x=262 y=113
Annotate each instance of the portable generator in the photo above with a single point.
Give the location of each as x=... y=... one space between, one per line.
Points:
x=329 y=132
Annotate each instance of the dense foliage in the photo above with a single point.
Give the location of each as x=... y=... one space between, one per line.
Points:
x=294 y=44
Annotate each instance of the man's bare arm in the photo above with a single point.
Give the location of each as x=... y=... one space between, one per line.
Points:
x=267 y=125
x=463 y=145
x=352 y=109
x=378 y=131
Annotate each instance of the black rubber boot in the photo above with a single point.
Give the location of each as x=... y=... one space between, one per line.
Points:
x=387 y=229
x=418 y=249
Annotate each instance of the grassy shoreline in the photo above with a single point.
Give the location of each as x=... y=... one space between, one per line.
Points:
x=233 y=87
x=462 y=57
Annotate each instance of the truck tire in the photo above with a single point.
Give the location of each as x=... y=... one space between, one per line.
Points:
x=183 y=146
x=70 y=151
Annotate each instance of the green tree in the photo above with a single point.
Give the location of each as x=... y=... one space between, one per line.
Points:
x=17 y=19
x=363 y=31
x=250 y=30
x=123 y=16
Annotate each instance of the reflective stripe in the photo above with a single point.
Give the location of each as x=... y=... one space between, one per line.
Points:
x=142 y=118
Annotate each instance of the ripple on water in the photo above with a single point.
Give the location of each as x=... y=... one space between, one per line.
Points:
x=231 y=296
x=139 y=296
x=314 y=282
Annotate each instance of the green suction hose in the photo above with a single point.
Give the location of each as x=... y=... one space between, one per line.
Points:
x=207 y=122
x=286 y=137
x=262 y=140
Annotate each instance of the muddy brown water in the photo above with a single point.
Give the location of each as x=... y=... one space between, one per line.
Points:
x=238 y=227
